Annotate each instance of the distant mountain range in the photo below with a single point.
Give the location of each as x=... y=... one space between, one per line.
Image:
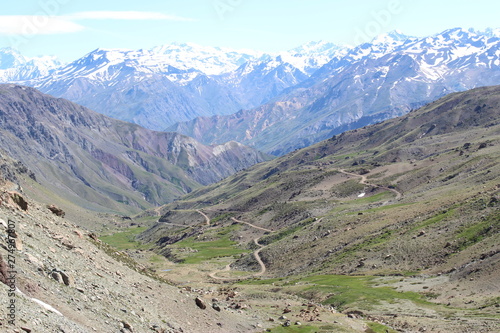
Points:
x=106 y=164
x=159 y=87
x=276 y=103
x=372 y=82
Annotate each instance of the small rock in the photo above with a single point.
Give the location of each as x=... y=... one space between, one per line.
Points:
x=127 y=326
x=216 y=307
x=200 y=303
x=67 y=279
x=298 y=323
x=26 y=329
x=57 y=276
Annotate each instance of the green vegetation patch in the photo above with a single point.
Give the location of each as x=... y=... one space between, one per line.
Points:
x=386 y=207
x=378 y=328
x=223 y=246
x=304 y=329
x=342 y=291
x=256 y=281
x=348 y=188
x=434 y=220
x=358 y=291
x=125 y=240
x=374 y=198
x=473 y=234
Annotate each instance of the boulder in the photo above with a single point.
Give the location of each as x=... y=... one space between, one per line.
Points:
x=56 y=210
x=200 y=303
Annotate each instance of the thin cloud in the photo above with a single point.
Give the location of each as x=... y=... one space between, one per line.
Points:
x=125 y=15
x=30 y=25
x=27 y=25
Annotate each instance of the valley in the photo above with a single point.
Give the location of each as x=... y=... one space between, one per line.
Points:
x=326 y=188
x=398 y=233
x=392 y=227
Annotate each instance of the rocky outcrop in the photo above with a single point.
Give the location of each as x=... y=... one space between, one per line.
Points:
x=56 y=210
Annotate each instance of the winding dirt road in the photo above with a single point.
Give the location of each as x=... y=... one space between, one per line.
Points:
x=256 y=255
x=363 y=181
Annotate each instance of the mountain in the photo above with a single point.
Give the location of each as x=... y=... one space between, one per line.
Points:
x=208 y=60
x=159 y=87
x=108 y=164
x=259 y=81
x=16 y=67
x=372 y=82
x=410 y=204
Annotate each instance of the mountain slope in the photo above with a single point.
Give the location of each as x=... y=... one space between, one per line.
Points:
x=57 y=276
x=105 y=163
x=372 y=82
x=416 y=195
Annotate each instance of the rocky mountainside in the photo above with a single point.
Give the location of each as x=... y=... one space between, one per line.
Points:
x=57 y=276
x=104 y=163
x=372 y=82
x=157 y=88
x=414 y=198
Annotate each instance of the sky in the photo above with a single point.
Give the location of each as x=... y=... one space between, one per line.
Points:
x=69 y=29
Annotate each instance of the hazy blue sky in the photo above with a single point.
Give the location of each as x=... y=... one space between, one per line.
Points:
x=72 y=28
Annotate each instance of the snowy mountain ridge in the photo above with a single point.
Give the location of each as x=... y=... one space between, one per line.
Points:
x=159 y=87
x=16 y=67
x=374 y=81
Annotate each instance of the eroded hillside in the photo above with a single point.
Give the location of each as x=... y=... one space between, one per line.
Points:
x=413 y=200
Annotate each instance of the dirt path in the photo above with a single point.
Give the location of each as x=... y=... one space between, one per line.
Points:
x=256 y=255
x=157 y=210
x=207 y=219
x=213 y=275
x=363 y=181
x=251 y=225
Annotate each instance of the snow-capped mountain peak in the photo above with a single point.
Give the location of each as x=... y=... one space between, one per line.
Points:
x=10 y=58
x=392 y=37
x=207 y=59
x=16 y=67
x=489 y=32
x=180 y=81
